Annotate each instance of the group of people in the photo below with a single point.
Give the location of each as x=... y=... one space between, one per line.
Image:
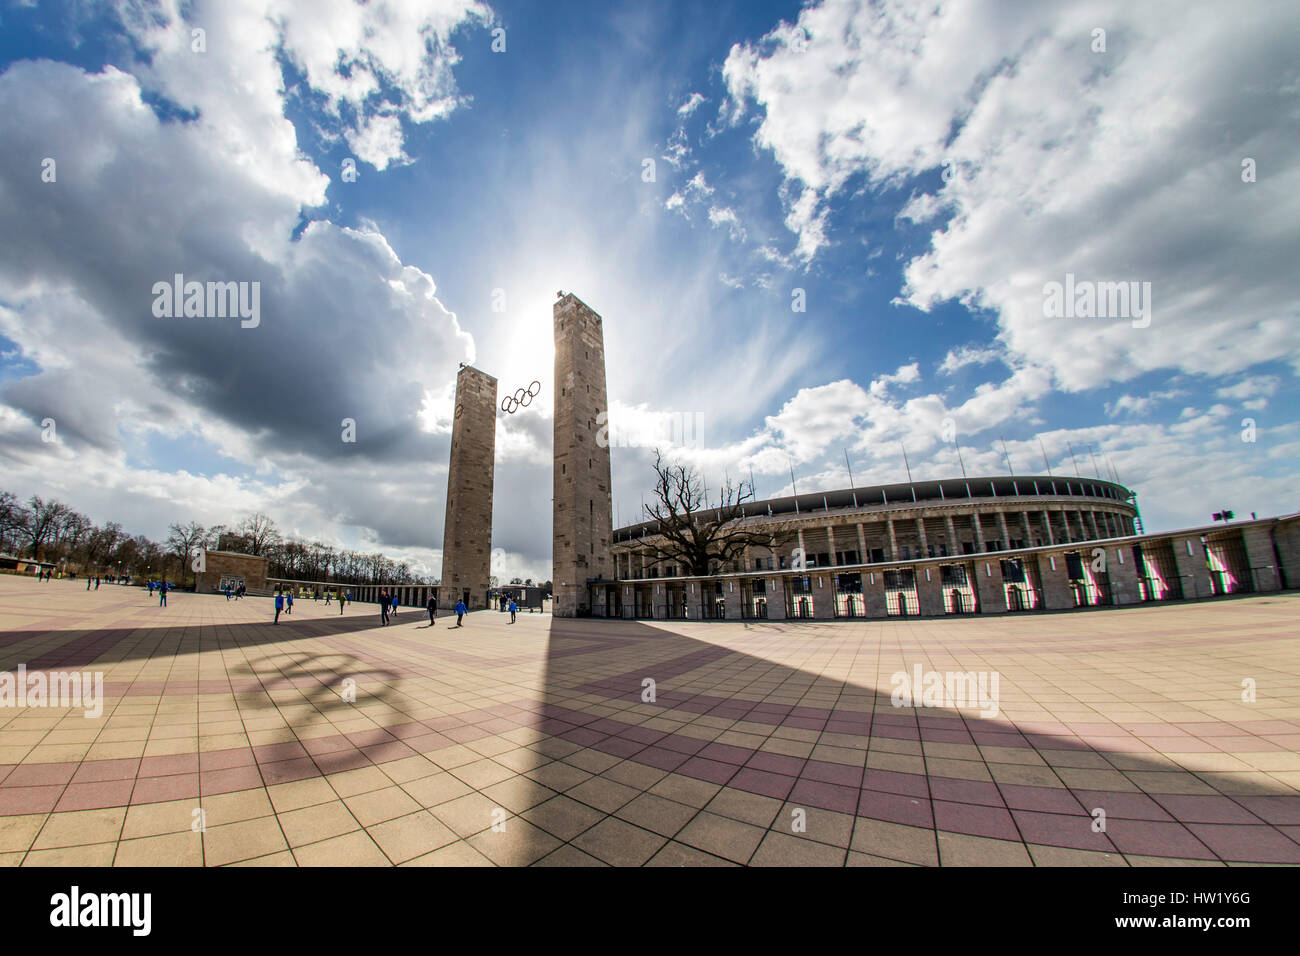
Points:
x=49 y=574
x=236 y=592
x=388 y=608
x=283 y=602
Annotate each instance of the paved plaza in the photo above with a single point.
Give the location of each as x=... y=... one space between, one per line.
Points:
x=226 y=739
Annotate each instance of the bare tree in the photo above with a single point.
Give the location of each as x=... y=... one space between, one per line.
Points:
x=690 y=531
x=184 y=540
x=11 y=518
x=260 y=534
x=41 y=522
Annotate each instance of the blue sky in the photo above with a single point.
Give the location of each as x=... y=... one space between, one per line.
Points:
x=913 y=176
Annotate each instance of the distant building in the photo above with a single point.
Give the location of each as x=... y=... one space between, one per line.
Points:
x=227 y=567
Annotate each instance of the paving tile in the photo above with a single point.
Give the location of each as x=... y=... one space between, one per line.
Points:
x=721 y=836
x=619 y=843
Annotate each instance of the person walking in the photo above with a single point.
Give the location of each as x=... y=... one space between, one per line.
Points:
x=460 y=613
x=96 y=582
x=432 y=606
x=513 y=608
x=162 y=593
x=87 y=583
x=328 y=595
x=288 y=602
x=279 y=606
x=393 y=602
x=383 y=606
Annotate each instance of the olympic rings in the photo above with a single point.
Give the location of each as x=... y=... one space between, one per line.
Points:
x=522 y=398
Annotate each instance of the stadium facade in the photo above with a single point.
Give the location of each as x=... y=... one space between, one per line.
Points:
x=957 y=546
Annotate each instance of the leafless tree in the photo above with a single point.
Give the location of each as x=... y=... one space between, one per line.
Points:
x=260 y=534
x=184 y=540
x=694 y=533
x=41 y=522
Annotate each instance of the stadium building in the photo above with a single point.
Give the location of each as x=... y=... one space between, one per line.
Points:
x=957 y=546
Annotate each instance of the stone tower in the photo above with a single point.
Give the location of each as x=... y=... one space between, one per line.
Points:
x=467 y=530
x=583 y=524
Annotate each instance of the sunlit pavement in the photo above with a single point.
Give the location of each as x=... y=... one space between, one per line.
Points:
x=1121 y=737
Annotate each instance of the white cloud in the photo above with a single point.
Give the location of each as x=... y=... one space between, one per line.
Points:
x=691 y=104
x=960 y=358
x=1115 y=166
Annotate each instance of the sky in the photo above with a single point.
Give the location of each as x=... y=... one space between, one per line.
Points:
x=819 y=235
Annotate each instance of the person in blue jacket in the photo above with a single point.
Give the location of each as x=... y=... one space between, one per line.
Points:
x=279 y=606
x=460 y=613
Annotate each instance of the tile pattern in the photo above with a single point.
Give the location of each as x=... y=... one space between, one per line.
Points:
x=227 y=740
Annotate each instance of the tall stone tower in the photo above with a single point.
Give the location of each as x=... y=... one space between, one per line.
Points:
x=467 y=530
x=583 y=524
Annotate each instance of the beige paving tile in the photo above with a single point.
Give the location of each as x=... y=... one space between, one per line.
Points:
x=784 y=849
x=170 y=849
x=895 y=841
x=376 y=806
x=678 y=854
x=516 y=843
x=96 y=854
x=242 y=841
x=351 y=849
x=80 y=828
x=436 y=789
x=411 y=836
x=469 y=814
x=722 y=836
x=619 y=843
x=658 y=814
x=319 y=822
x=958 y=849
x=18 y=832
x=300 y=793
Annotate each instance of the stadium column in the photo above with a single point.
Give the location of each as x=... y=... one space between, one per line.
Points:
x=1189 y=558
x=1263 y=560
x=979 y=532
x=1047 y=528
x=990 y=590
x=467 y=528
x=929 y=591
x=582 y=518
x=1053 y=571
x=1121 y=571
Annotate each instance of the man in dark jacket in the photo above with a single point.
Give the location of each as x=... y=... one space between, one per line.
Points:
x=433 y=608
